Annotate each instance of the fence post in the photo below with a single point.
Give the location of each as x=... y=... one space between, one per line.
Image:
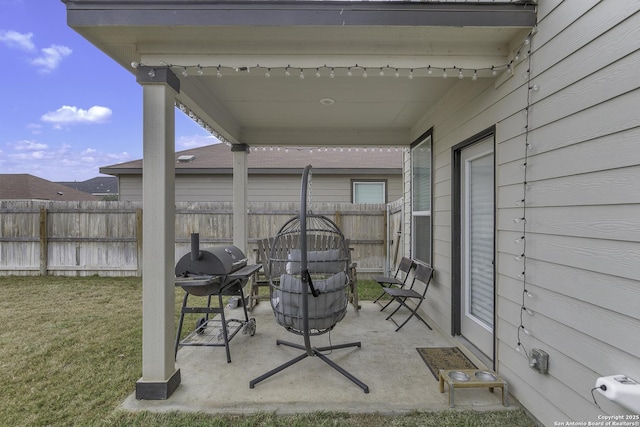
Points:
x=139 y=241
x=387 y=240
x=44 y=246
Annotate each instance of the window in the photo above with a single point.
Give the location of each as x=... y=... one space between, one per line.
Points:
x=368 y=191
x=421 y=199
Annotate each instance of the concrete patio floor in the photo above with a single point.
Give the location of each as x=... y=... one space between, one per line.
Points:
x=388 y=362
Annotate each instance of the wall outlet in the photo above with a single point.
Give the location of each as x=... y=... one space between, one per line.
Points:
x=539 y=361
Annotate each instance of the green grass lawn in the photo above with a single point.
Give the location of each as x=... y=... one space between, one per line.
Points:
x=70 y=352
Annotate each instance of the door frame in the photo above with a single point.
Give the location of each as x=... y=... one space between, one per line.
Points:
x=456 y=234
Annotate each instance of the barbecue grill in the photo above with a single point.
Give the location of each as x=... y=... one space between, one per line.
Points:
x=217 y=271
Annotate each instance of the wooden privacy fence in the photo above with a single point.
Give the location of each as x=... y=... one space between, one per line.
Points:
x=105 y=238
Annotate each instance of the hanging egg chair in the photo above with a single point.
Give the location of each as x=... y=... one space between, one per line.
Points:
x=309 y=279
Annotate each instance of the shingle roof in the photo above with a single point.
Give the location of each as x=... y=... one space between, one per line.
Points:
x=219 y=157
x=29 y=187
x=97 y=185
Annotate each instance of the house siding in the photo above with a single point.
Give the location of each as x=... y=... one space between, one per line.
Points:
x=261 y=188
x=582 y=204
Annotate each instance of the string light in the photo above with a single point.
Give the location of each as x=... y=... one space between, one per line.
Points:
x=193 y=116
x=184 y=69
x=523 y=201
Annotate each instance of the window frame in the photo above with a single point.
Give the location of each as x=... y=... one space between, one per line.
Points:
x=354 y=182
x=427 y=138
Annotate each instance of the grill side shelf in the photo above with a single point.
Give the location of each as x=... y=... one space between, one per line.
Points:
x=245 y=271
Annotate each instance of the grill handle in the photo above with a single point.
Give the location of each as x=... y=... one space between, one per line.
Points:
x=195 y=247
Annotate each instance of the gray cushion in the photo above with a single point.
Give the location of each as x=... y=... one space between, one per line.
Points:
x=325 y=310
x=317 y=261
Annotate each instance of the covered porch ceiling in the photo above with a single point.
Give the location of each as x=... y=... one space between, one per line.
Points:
x=253 y=45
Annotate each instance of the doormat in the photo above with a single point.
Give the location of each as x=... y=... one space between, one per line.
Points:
x=448 y=358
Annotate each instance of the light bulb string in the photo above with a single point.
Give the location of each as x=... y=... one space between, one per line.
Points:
x=525 y=183
x=411 y=71
x=331 y=71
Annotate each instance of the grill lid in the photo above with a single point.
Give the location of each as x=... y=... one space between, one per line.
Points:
x=217 y=260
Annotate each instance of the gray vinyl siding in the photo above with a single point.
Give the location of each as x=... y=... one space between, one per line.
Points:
x=262 y=188
x=583 y=204
x=130 y=188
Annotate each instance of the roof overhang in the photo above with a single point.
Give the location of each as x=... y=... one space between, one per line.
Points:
x=261 y=171
x=246 y=40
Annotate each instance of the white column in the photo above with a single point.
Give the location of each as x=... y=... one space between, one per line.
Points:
x=159 y=374
x=240 y=180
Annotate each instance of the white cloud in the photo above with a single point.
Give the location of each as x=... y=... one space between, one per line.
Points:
x=36 y=128
x=59 y=163
x=195 y=141
x=18 y=40
x=51 y=57
x=67 y=115
x=27 y=145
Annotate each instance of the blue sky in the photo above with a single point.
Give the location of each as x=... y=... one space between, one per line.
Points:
x=67 y=108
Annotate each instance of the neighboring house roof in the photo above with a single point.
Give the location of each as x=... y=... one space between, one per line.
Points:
x=218 y=159
x=98 y=186
x=29 y=187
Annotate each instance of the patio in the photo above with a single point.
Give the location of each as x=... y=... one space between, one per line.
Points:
x=398 y=379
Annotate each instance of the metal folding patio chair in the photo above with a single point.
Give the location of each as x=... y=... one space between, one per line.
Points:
x=396 y=281
x=401 y=295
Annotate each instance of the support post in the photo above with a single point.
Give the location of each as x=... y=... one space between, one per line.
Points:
x=44 y=242
x=240 y=184
x=159 y=375
x=139 y=241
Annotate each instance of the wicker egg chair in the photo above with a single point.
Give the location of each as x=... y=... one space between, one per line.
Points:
x=309 y=279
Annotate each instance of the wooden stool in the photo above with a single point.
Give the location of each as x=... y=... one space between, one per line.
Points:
x=472 y=378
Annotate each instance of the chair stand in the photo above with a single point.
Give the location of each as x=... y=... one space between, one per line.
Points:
x=413 y=313
x=317 y=351
x=380 y=303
